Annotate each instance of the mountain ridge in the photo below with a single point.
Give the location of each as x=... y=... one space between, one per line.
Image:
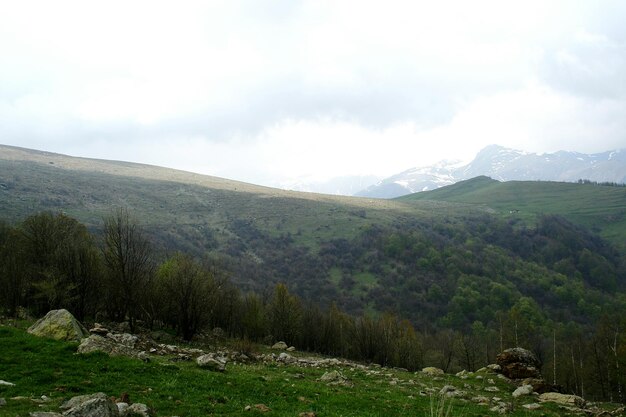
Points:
x=506 y=164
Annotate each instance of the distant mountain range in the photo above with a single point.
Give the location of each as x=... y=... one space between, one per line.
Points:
x=505 y=164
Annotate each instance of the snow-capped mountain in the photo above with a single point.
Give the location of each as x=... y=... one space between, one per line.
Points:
x=505 y=164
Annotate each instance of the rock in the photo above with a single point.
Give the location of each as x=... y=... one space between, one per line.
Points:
x=44 y=414
x=491 y=389
x=518 y=363
x=482 y=400
x=95 y=405
x=137 y=410
x=121 y=407
x=3 y=402
x=540 y=386
x=143 y=356
x=285 y=358
x=108 y=344
x=262 y=408
x=59 y=325
x=307 y=414
x=211 y=362
x=291 y=349
x=563 y=399
x=280 y=346
x=451 y=391
x=99 y=329
x=531 y=406
x=335 y=378
x=501 y=408
x=6 y=383
x=523 y=390
x=432 y=371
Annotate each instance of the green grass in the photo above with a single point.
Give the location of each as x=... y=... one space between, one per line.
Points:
x=600 y=208
x=45 y=367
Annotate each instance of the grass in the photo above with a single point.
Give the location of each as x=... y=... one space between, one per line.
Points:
x=600 y=208
x=45 y=367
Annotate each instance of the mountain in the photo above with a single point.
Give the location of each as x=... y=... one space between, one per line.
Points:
x=429 y=260
x=344 y=185
x=505 y=165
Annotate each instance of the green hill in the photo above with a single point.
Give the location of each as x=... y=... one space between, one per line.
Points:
x=440 y=258
x=601 y=208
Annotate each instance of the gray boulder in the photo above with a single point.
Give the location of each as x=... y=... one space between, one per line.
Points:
x=211 y=362
x=94 y=405
x=562 y=399
x=280 y=346
x=137 y=409
x=523 y=390
x=59 y=325
x=112 y=344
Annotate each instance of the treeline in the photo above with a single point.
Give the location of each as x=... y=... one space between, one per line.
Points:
x=51 y=261
x=605 y=183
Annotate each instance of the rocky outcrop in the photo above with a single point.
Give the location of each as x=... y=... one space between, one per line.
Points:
x=212 y=362
x=113 y=344
x=432 y=371
x=95 y=405
x=518 y=363
x=562 y=399
x=59 y=325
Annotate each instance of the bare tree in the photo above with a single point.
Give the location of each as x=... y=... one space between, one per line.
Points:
x=128 y=261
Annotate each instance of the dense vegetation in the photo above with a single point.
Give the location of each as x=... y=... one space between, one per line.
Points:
x=469 y=290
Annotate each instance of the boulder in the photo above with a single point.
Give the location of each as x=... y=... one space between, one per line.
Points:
x=540 y=386
x=432 y=371
x=59 y=325
x=137 y=410
x=562 y=399
x=44 y=414
x=280 y=346
x=114 y=345
x=211 y=362
x=6 y=383
x=95 y=405
x=99 y=329
x=335 y=378
x=523 y=390
x=518 y=363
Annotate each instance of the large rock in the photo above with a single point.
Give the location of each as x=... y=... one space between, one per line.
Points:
x=59 y=325
x=211 y=362
x=563 y=399
x=95 y=405
x=432 y=371
x=112 y=344
x=280 y=346
x=523 y=390
x=518 y=363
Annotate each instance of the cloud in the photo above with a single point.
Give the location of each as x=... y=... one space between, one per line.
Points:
x=266 y=90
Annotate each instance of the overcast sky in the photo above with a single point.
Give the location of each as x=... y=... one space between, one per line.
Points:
x=273 y=91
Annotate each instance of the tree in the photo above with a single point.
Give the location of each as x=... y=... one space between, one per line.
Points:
x=189 y=294
x=129 y=265
x=285 y=312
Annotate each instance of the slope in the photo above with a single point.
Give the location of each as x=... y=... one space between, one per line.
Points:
x=598 y=207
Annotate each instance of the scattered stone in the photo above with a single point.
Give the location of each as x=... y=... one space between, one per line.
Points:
x=432 y=371
x=494 y=367
x=6 y=383
x=285 y=358
x=492 y=389
x=531 y=406
x=211 y=362
x=44 y=414
x=122 y=407
x=481 y=400
x=262 y=408
x=523 y=390
x=137 y=410
x=335 y=378
x=518 y=363
x=99 y=329
x=491 y=381
x=307 y=414
x=95 y=405
x=143 y=356
x=3 y=402
x=280 y=346
x=563 y=399
x=541 y=386
x=501 y=408
x=291 y=349
x=452 y=392
x=59 y=325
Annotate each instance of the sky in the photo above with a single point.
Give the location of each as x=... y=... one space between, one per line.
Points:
x=281 y=92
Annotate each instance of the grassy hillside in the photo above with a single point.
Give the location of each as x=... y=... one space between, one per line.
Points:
x=42 y=367
x=599 y=208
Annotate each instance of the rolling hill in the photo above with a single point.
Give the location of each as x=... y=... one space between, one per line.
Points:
x=601 y=208
x=447 y=258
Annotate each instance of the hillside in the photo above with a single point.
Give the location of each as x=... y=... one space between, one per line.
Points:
x=598 y=207
x=506 y=165
x=425 y=260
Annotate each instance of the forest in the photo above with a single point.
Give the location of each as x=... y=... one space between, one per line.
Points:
x=451 y=294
